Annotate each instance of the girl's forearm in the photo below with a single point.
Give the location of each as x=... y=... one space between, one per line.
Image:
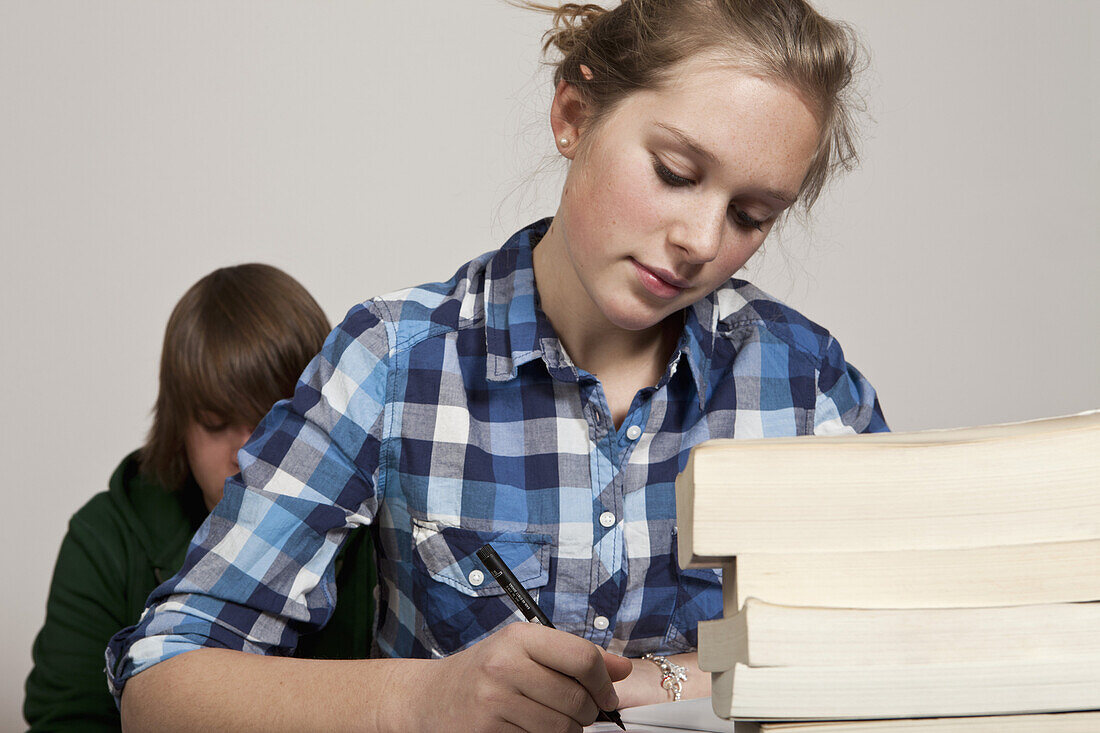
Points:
x=218 y=689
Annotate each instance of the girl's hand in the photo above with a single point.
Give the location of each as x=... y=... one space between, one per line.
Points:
x=525 y=677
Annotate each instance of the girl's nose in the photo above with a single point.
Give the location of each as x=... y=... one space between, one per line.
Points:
x=699 y=233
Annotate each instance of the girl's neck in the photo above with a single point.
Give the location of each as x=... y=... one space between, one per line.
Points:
x=594 y=343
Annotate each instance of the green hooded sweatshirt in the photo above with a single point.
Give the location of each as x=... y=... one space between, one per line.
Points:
x=120 y=546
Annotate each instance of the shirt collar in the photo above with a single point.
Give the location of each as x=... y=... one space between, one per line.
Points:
x=517 y=332
x=511 y=324
x=697 y=343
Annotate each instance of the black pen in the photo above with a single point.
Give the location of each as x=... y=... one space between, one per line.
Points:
x=527 y=606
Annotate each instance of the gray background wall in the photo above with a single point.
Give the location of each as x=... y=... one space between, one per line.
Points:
x=365 y=146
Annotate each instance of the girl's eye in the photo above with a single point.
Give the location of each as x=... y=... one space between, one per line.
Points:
x=744 y=220
x=740 y=218
x=668 y=176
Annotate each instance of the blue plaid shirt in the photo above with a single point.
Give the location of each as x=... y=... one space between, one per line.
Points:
x=448 y=416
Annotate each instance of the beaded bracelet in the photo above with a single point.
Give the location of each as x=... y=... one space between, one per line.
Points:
x=673 y=675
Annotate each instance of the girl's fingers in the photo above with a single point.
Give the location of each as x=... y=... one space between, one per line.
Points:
x=554 y=690
x=619 y=668
x=528 y=715
x=573 y=657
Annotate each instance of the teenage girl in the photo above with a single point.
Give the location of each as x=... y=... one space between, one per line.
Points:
x=543 y=399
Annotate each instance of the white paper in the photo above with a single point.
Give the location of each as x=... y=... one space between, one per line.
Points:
x=686 y=716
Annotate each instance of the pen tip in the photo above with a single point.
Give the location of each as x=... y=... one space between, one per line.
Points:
x=613 y=716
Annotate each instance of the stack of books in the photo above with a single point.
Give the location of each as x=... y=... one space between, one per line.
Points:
x=939 y=580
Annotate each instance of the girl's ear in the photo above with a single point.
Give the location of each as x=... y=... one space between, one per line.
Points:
x=568 y=115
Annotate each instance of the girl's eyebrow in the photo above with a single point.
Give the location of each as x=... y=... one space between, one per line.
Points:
x=689 y=143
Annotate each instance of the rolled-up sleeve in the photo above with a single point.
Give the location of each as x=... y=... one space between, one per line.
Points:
x=846 y=401
x=259 y=572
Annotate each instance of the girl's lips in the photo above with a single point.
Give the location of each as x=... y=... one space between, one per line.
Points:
x=654 y=283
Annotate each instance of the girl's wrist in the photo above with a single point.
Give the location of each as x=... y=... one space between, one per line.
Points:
x=642 y=686
x=673 y=675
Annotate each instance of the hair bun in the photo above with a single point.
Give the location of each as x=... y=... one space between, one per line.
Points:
x=572 y=22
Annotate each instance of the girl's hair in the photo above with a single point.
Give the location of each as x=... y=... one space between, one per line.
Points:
x=636 y=45
x=235 y=344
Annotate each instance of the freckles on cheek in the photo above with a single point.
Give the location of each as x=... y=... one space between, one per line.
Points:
x=628 y=199
x=738 y=256
x=641 y=197
x=642 y=207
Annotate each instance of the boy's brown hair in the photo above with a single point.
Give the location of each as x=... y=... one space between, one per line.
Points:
x=235 y=344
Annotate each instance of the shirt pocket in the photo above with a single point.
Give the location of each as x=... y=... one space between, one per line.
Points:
x=459 y=599
x=698 y=598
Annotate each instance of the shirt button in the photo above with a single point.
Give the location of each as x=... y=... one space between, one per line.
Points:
x=476 y=577
x=601 y=622
x=634 y=432
x=607 y=519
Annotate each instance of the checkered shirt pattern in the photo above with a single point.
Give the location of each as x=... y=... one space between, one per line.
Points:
x=449 y=415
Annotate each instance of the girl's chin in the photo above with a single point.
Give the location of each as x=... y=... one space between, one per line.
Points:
x=637 y=317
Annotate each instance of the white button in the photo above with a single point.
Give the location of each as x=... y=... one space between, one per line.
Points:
x=607 y=519
x=634 y=432
x=600 y=622
x=476 y=577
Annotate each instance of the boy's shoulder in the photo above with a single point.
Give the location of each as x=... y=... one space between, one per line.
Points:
x=110 y=506
x=743 y=307
x=135 y=507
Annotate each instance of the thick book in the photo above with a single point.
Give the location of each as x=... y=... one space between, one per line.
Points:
x=910 y=691
x=1013 y=484
x=1055 y=572
x=1045 y=723
x=770 y=635
x=697 y=716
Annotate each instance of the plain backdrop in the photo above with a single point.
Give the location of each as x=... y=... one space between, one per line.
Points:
x=364 y=146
